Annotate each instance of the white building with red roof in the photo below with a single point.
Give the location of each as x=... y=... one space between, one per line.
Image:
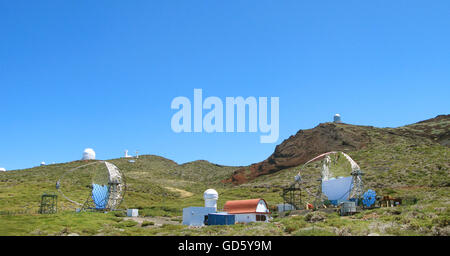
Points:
x=251 y=210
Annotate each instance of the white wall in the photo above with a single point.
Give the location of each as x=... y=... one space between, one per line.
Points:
x=132 y=212
x=261 y=207
x=285 y=207
x=194 y=216
x=245 y=218
x=248 y=217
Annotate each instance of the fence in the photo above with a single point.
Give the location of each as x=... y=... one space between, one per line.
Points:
x=19 y=212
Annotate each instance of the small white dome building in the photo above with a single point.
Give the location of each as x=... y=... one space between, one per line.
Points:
x=337 y=118
x=197 y=216
x=211 y=196
x=88 y=154
x=42 y=163
x=2 y=169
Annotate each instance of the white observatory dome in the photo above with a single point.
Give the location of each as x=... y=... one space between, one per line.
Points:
x=211 y=196
x=2 y=169
x=337 y=118
x=42 y=163
x=88 y=154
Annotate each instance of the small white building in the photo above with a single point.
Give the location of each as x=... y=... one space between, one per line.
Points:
x=251 y=210
x=132 y=212
x=2 y=169
x=337 y=118
x=197 y=216
x=42 y=163
x=285 y=207
x=88 y=154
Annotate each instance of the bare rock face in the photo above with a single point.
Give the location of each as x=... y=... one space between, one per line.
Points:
x=305 y=145
x=326 y=137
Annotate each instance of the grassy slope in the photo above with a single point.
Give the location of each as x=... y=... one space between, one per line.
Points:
x=149 y=181
x=397 y=165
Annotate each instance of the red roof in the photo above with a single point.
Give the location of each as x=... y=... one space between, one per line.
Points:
x=242 y=206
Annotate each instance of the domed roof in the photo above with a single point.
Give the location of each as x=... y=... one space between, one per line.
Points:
x=210 y=194
x=246 y=206
x=88 y=154
x=337 y=118
x=2 y=169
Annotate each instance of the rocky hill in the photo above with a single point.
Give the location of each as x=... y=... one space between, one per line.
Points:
x=306 y=144
x=409 y=162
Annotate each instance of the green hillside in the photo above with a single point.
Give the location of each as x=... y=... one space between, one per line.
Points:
x=409 y=162
x=150 y=180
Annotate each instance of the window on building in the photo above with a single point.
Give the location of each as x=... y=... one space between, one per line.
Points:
x=260 y=217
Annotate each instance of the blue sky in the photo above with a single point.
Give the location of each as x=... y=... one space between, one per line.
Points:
x=102 y=74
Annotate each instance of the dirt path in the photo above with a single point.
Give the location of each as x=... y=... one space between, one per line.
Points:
x=183 y=193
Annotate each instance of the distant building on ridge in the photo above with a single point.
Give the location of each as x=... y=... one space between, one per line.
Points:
x=88 y=154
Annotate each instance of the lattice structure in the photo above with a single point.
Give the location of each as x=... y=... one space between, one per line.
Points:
x=355 y=190
x=49 y=204
x=107 y=188
x=358 y=185
x=116 y=186
x=293 y=195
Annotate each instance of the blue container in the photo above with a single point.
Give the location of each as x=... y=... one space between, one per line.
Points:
x=221 y=219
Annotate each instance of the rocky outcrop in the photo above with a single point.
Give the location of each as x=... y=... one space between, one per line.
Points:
x=326 y=137
x=305 y=145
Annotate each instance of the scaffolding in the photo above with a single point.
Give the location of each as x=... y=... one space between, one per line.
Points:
x=49 y=204
x=292 y=195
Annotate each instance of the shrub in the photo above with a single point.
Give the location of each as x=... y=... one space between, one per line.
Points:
x=291 y=227
x=119 y=214
x=314 y=232
x=147 y=223
x=126 y=224
x=441 y=221
x=315 y=216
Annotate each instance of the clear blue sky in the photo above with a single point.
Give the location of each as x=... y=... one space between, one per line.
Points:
x=102 y=74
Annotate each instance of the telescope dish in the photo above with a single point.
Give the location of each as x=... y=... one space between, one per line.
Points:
x=99 y=185
x=340 y=178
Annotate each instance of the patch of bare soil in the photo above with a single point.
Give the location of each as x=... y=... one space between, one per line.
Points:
x=159 y=221
x=183 y=193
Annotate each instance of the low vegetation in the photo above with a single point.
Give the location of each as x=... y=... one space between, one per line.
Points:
x=414 y=168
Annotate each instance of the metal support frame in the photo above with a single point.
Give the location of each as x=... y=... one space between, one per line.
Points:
x=292 y=195
x=49 y=204
x=116 y=189
x=358 y=185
